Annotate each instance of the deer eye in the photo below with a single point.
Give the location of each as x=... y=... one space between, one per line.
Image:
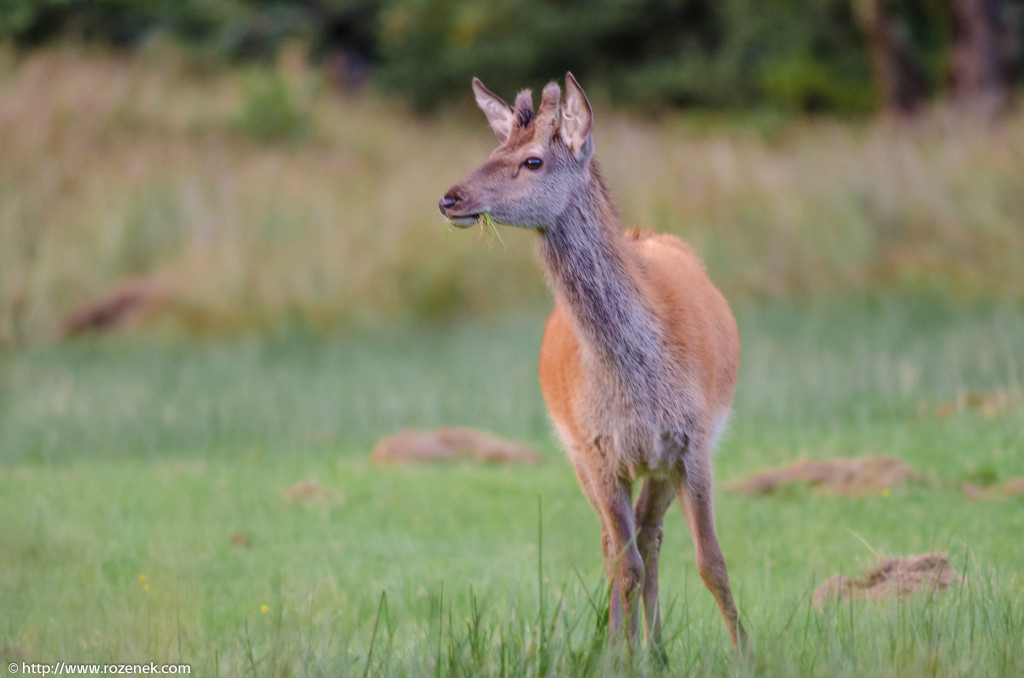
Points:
x=533 y=163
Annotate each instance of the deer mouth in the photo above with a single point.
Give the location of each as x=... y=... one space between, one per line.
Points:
x=463 y=220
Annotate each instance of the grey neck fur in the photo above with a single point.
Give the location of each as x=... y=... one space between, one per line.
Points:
x=585 y=254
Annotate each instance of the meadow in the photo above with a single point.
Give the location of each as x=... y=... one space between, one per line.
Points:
x=198 y=489
x=165 y=459
x=261 y=198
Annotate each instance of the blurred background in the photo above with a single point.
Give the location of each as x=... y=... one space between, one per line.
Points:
x=225 y=165
x=223 y=278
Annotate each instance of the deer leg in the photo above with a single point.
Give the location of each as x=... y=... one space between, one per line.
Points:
x=622 y=558
x=614 y=592
x=615 y=600
x=694 y=491
x=655 y=498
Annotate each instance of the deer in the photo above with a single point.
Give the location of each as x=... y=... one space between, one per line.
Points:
x=639 y=357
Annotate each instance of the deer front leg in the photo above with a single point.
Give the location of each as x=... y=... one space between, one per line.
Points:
x=622 y=558
x=655 y=498
x=607 y=550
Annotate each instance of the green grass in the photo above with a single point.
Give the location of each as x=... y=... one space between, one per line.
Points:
x=128 y=456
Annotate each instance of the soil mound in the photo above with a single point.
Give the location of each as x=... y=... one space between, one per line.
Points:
x=1010 y=488
x=835 y=476
x=132 y=300
x=450 y=444
x=309 y=492
x=990 y=404
x=894 y=577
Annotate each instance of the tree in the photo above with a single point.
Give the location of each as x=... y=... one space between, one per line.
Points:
x=900 y=78
x=979 y=77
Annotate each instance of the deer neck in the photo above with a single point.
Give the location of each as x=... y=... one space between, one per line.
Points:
x=593 y=273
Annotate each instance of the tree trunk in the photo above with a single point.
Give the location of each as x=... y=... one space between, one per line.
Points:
x=978 y=75
x=901 y=80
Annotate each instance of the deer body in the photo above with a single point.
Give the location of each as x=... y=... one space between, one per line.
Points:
x=640 y=355
x=671 y=396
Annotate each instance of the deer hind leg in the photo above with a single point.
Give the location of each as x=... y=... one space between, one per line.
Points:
x=694 y=491
x=655 y=498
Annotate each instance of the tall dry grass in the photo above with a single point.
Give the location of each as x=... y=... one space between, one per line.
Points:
x=261 y=197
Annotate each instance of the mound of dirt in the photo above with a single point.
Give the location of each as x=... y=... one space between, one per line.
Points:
x=1010 y=488
x=894 y=577
x=449 y=444
x=836 y=476
x=990 y=404
x=310 y=492
x=130 y=301
x=241 y=539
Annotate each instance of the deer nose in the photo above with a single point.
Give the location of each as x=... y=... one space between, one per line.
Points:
x=450 y=199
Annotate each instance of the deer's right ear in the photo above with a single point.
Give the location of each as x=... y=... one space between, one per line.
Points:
x=499 y=114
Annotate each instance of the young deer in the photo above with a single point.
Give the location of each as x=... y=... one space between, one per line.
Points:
x=639 y=358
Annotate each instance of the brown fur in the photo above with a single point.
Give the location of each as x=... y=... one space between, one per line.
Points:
x=640 y=356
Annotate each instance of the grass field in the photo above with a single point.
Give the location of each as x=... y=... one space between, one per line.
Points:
x=146 y=503
x=259 y=197
x=132 y=466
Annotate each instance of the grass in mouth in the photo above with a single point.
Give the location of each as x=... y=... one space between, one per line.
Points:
x=487 y=220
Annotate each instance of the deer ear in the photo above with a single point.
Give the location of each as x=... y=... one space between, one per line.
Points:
x=499 y=114
x=577 y=117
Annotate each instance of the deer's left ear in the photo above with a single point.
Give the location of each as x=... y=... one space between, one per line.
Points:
x=577 y=117
x=499 y=114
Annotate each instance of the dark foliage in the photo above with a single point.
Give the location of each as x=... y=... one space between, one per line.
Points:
x=806 y=55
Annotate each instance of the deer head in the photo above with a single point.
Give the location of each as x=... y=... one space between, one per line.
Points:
x=542 y=160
